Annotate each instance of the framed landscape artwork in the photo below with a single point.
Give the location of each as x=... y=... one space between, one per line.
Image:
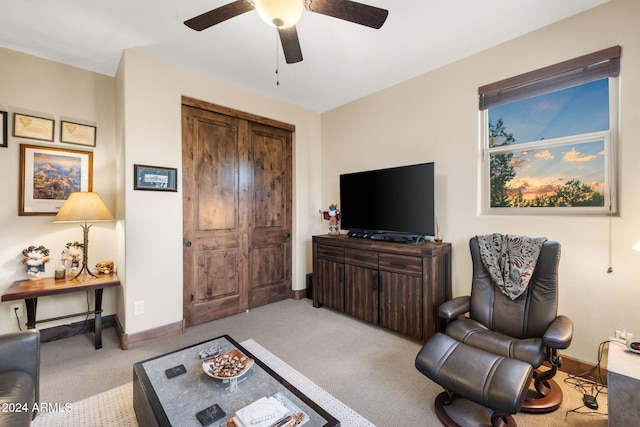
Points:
x=49 y=175
x=155 y=178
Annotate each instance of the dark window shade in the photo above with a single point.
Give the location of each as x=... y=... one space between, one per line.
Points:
x=584 y=69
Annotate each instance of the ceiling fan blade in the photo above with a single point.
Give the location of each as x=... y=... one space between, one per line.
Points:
x=351 y=11
x=218 y=15
x=290 y=45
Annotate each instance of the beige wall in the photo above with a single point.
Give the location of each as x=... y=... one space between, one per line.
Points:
x=434 y=117
x=48 y=89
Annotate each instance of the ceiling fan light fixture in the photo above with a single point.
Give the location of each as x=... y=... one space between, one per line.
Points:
x=280 y=14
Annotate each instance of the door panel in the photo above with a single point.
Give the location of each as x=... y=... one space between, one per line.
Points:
x=219 y=276
x=214 y=184
x=361 y=292
x=271 y=220
x=217 y=169
x=331 y=284
x=401 y=303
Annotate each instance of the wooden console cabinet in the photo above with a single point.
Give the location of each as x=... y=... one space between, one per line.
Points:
x=395 y=285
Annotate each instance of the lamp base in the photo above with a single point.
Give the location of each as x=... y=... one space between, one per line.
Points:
x=85 y=269
x=85 y=255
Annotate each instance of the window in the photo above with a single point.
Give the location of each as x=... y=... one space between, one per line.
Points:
x=548 y=138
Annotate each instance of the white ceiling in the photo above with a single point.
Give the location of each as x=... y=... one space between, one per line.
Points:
x=342 y=61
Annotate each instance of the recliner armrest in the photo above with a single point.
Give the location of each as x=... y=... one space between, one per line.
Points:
x=454 y=308
x=559 y=334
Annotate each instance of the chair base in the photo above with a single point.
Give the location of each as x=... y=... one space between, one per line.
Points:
x=446 y=398
x=549 y=402
x=549 y=392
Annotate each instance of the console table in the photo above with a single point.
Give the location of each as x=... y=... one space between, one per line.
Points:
x=31 y=290
x=395 y=285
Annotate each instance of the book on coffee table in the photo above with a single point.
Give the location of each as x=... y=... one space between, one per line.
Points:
x=273 y=411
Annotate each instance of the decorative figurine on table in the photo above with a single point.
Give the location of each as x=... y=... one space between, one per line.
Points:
x=74 y=252
x=333 y=215
x=34 y=259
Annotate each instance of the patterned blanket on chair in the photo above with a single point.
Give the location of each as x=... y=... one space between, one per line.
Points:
x=510 y=260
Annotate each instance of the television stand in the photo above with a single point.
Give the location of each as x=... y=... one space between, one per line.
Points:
x=394 y=285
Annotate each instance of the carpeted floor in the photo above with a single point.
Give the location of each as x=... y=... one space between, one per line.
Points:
x=368 y=368
x=114 y=408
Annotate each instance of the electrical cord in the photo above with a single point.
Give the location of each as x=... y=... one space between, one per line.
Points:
x=17 y=318
x=590 y=384
x=82 y=326
x=84 y=323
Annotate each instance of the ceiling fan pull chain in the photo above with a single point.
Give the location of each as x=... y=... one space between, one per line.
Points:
x=277 y=60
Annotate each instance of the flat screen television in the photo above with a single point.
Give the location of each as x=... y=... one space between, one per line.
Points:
x=393 y=200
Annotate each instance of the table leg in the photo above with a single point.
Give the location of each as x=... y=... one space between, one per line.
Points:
x=97 y=320
x=32 y=304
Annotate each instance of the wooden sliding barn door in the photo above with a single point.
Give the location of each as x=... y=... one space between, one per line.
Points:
x=237 y=182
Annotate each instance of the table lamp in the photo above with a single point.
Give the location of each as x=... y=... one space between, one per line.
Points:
x=636 y=247
x=84 y=207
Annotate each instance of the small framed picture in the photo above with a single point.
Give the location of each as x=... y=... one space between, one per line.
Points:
x=155 y=178
x=3 y=129
x=76 y=133
x=32 y=127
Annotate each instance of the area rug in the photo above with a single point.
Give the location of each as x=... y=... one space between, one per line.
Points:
x=114 y=408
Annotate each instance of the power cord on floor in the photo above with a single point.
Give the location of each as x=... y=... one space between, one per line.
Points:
x=82 y=326
x=17 y=318
x=591 y=384
x=84 y=323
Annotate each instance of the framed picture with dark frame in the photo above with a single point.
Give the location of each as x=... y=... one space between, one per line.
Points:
x=4 y=142
x=49 y=175
x=155 y=178
x=25 y=126
x=76 y=133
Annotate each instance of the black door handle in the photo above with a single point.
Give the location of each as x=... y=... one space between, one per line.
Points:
x=187 y=243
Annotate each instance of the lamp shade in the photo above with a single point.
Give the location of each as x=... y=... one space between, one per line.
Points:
x=83 y=207
x=280 y=13
x=636 y=247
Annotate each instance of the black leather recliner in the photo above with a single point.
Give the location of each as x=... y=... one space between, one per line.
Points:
x=19 y=377
x=527 y=329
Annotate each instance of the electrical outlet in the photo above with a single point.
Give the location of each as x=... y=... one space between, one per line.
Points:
x=13 y=312
x=138 y=308
x=623 y=334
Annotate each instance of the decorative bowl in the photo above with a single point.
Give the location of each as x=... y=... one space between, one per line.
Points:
x=227 y=366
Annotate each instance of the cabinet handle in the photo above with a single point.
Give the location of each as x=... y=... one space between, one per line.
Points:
x=187 y=243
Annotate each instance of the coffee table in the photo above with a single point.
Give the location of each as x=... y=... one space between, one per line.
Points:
x=162 y=401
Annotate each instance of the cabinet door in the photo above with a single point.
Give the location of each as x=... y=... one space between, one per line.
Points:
x=331 y=284
x=361 y=292
x=401 y=303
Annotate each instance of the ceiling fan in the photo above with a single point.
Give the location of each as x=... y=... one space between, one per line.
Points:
x=284 y=14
